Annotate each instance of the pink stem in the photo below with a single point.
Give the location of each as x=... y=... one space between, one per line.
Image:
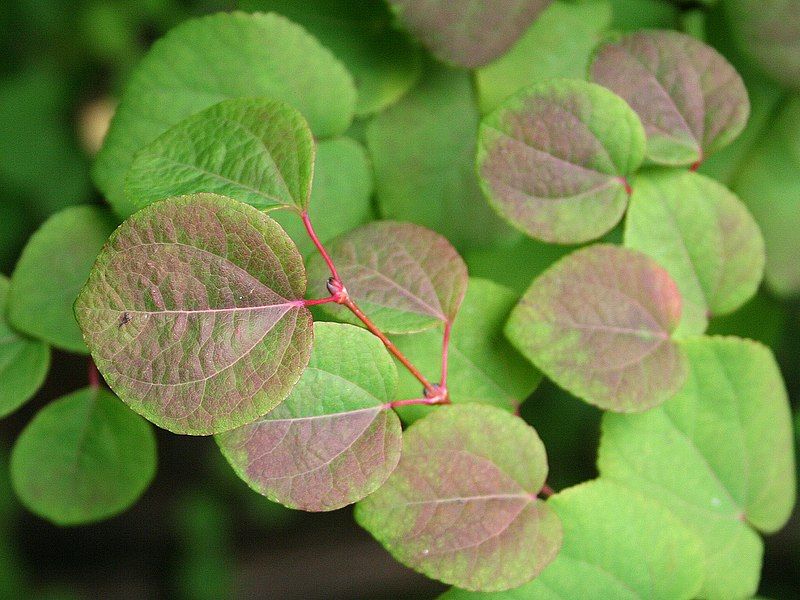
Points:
x=546 y=491
x=317 y=301
x=445 y=348
x=94 y=375
x=416 y=402
x=324 y=253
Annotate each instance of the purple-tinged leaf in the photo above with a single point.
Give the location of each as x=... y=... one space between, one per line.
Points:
x=469 y=33
x=599 y=324
x=692 y=102
x=335 y=439
x=194 y=314
x=405 y=277
x=553 y=159
x=461 y=506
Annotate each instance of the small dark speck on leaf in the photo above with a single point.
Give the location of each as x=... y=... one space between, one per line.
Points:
x=124 y=319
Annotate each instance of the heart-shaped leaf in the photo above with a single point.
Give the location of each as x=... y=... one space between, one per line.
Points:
x=553 y=159
x=335 y=439
x=692 y=102
x=206 y=60
x=559 y=44
x=194 y=314
x=617 y=544
x=483 y=366
x=24 y=362
x=382 y=59
x=717 y=454
x=83 y=458
x=52 y=270
x=423 y=153
x=405 y=277
x=769 y=32
x=341 y=196
x=461 y=506
x=599 y=324
x=255 y=150
x=703 y=235
x=468 y=33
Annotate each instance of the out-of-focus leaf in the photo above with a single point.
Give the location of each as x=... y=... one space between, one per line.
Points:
x=558 y=44
x=24 y=362
x=52 y=270
x=83 y=458
x=194 y=314
x=469 y=33
x=423 y=151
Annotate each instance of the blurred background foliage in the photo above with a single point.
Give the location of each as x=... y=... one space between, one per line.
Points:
x=199 y=532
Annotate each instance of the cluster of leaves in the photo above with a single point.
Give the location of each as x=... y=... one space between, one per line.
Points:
x=238 y=131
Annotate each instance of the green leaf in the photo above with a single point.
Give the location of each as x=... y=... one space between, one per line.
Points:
x=404 y=277
x=692 y=102
x=617 y=544
x=423 y=152
x=703 y=235
x=483 y=366
x=768 y=184
x=83 y=458
x=24 y=362
x=599 y=323
x=254 y=150
x=335 y=439
x=51 y=271
x=553 y=159
x=469 y=33
x=341 y=196
x=630 y=15
x=461 y=506
x=194 y=314
x=227 y=55
x=768 y=31
x=383 y=62
x=558 y=44
x=717 y=454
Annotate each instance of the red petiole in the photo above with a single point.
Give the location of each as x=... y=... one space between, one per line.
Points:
x=434 y=393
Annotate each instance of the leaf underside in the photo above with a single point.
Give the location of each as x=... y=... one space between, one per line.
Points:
x=194 y=314
x=334 y=440
x=599 y=323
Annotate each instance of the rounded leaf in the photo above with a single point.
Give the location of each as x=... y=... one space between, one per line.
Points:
x=405 y=277
x=468 y=33
x=703 y=235
x=690 y=99
x=255 y=150
x=461 y=506
x=717 y=454
x=599 y=323
x=483 y=366
x=51 y=271
x=335 y=439
x=617 y=544
x=769 y=32
x=209 y=59
x=83 y=458
x=194 y=314
x=24 y=362
x=382 y=59
x=553 y=159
